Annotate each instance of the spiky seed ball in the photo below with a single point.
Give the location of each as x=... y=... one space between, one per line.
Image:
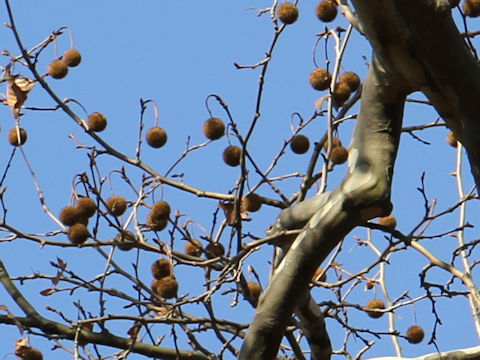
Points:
x=214 y=250
x=32 y=354
x=415 y=334
x=388 y=221
x=160 y=210
x=326 y=10
x=339 y=155
x=375 y=304
x=255 y=289
x=156 y=224
x=156 y=137
x=97 y=122
x=69 y=215
x=319 y=272
x=193 y=248
x=13 y=136
x=299 y=144
x=116 y=205
x=451 y=140
x=232 y=155
x=252 y=202
x=471 y=8
x=335 y=142
x=341 y=93
x=72 y=57
x=351 y=80
x=166 y=287
x=161 y=268
x=287 y=13
x=57 y=69
x=86 y=207
x=125 y=240
x=320 y=79
x=214 y=128
x=78 y=234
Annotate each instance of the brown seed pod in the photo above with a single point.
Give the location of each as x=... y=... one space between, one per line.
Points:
x=351 y=80
x=287 y=13
x=326 y=10
x=451 y=140
x=321 y=273
x=370 y=284
x=72 y=57
x=86 y=207
x=320 y=79
x=255 y=289
x=388 y=221
x=161 y=268
x=471 y=8
x=78 y=234
x=231 y=155
x=97 y=122
x=116 y=205
x=156 y=224
x=156 y=137
x=415 y=334
x=57 y=69
x=335 y=142
x=13 y=136
x=193 y=248
x=160 y=210
x=166 y=287
x=125 y=240
x=32 y=354
x=252 y=202
x=375 y=304
x=69 y=215
x=214 y=250
x=341 y=93
x=213 y=128
x=299 y=144
x=339 y=155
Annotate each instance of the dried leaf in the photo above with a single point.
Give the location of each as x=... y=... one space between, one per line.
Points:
x=61 y=263
x=17 y=90
x=21 y=347
x=47 y=292
x=4 y=308
x=56 y=279
x=229 y=211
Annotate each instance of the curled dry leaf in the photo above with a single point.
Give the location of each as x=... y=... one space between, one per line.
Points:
x=229 y=211
x=21 y=346
x=17 y=90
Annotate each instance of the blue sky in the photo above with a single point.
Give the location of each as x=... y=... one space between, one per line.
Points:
x=177 y=53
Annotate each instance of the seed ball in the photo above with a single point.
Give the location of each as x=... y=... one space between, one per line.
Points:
x=339 y=155
x=214 y=250
x=319 y=272
x=326 y=10
x=213 y=128
x=193 y=248
x=388 y=221
x=341 y=93
x=156 y=224
x=451 y=140
x=125 y=240
x=156 y=137
x=57 y=69
x=252 y=202
x=166 y=287
x=320 y=79
x=375 y=304
x=370 y=284
x=254 y=289
x=415 y=334
x=160 y=210
x=72 y=57
x=232 y=155
x=471 y=8
x=161 y=268
x=86 y=207
x=69 y=215
x=116 y=205
x=32 y=354
x=335 y=142
x=78 y=234
x=287 y=13
x=13 y=136
x=299 y=144
x=97 y=122
x=351 y=80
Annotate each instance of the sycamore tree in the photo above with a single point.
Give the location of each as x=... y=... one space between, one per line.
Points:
x=127 y=233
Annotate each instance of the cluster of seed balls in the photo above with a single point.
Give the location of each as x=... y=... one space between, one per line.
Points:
x=164 y=283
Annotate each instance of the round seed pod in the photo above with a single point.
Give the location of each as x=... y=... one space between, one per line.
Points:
x=69 y=215
x=213 y=128
x=471 y=8
x=125 y=240
x=351 y=80
x=156 y=137
x=326 y=10
x=335 y=142
x=72 y=57
x=156 y=224
x=14 y=136
x=339 y=155
x=97 y=122
x=252 y=202
x=32 y=354
x=415 y=334
x=255 y=289
x=166 y=287
x=299 y=144
x=86 y=207
x=232 y=155
x=116 y=205
x=451 y=140
x=375 y=304
x=78 y=234
x=320 y=275
x=320 y=79
x=341 y=93
x=57 y=69
x=214 y=250
x=160 y=210
x=161 y=268
x=370 y=284
x=388 y=221
x=193 y=248
x=287 y=13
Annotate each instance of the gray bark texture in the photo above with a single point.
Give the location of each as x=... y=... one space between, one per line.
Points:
x=416 y=47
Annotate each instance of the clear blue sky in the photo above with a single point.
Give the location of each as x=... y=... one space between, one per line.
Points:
x=177 y=53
